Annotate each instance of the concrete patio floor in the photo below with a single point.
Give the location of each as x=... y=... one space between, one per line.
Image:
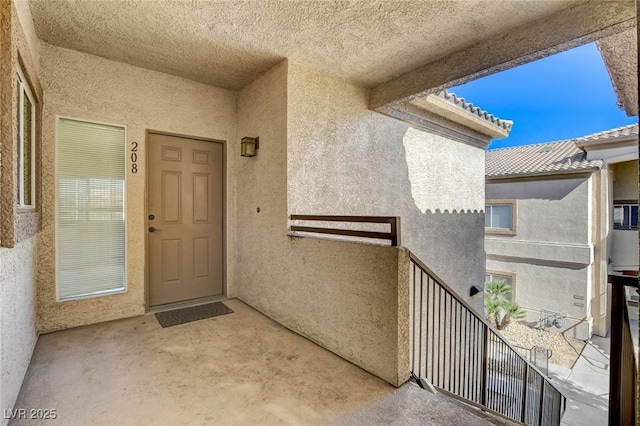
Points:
x=236 y=369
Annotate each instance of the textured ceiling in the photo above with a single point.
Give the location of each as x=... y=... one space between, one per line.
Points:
x=229 y=43
x=620 y=53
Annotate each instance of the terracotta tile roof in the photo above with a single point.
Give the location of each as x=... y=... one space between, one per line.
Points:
x=462 y=103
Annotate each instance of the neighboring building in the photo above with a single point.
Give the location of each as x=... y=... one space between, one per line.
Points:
x=559 y=217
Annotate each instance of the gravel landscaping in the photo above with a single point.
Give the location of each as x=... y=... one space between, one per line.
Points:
x=565 y=350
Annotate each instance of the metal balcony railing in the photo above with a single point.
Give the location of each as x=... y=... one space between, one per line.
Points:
x=623 y=370
x=461 y=355
x=393 y=235
x=451 y=346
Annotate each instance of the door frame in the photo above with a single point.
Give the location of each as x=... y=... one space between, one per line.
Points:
x=146 y=207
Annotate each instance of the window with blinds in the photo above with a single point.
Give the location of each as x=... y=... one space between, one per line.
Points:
x=91 y=245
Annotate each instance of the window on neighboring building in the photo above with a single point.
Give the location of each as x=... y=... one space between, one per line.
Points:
x=500 y=217
x=508 y=279
x=91 y=231
x=625 y=216
x=26 y=173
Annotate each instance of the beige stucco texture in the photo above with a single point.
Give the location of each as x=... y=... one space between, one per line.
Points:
x=347 y=297
x=552 y=287
x=547 y=213
x=624 y=250
x=18 y=329
x=228 y=44
x=322 y=151
x=620 y=54
x=552 y=254
x=17 y=317
x=624 y=242
x=625 y=180
x=344 y=296
x=86 y=87
x=344 y=159
x=228 y=70
x=17 y=224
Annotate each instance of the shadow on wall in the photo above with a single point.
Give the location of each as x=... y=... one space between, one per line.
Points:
x=450 y=243
x=538 y=262
x=556 y=189
x=355 y=162
x=443 y=217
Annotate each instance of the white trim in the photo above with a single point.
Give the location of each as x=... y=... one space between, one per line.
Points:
x=552 y=254
x=20 y=156
x=125 y=208
x=621 y=158
x=500 y=274
x=23 y=87
x=55 y=205
x=454 y=112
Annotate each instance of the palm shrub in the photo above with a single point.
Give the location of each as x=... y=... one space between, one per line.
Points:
x=498 y=308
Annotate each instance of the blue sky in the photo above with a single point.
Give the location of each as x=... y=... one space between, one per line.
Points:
x=559 y=97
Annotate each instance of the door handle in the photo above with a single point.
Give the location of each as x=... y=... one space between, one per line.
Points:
x=152 y=229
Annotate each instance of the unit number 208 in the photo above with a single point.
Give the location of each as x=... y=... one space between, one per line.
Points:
x=134 y=157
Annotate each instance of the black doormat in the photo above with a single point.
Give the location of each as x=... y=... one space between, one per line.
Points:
x=192 y=313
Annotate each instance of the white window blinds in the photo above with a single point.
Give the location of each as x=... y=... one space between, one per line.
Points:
x=91 y=209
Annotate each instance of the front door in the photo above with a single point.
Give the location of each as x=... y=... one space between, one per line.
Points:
x=185 y=218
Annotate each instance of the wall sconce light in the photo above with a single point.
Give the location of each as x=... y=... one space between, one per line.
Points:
x=249 y=146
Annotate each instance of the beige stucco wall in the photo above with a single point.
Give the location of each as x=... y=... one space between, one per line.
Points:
x=18 y=332
x=261 y=198
x=345 y=159
x=625 y=180
x=553 y=253
x=559 y=288
x=344 y=296
x=624 y=250
x=554 y=211
x=624 y=243
x=91 y=88
x=17 y=318
x=318 y=288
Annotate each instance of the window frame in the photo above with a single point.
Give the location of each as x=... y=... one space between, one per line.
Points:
x=24 y=88
x=19 y=223
x=624 y=203
x=514 y=216
x=125 y=288
x=511 y=275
